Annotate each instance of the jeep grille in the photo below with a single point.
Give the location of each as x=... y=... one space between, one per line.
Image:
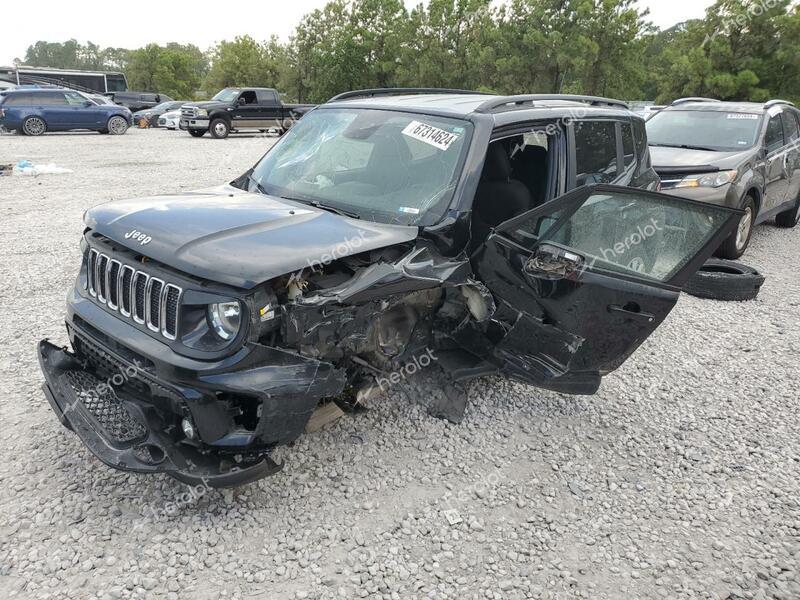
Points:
x=134 y=293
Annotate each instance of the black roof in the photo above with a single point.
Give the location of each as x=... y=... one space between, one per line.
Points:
x=464 y=104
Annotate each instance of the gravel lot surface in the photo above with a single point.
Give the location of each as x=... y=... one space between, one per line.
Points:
x=680 y=479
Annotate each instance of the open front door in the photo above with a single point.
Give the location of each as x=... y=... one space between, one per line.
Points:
x=583 y=280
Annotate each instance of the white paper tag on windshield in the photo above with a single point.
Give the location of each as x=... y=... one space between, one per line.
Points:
x=438 y=138
x=742 y=116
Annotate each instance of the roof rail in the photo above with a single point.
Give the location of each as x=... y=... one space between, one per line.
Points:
x=772 y=103
x=371 y=93
x=692 y=99
x=512 y=102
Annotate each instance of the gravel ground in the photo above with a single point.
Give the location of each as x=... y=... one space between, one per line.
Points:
x=680 y=479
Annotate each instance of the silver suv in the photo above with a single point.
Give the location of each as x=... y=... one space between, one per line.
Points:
x=736 y=154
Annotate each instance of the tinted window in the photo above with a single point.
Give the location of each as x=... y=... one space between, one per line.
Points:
x=774 y=138
x=790 y=128
x=628 y=148
x=18 y=99
x=267 y=97
x=596 y=152
x=49 y=99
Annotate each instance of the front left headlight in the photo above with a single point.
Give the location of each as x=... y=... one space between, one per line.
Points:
x=225 y=319
x=710 y=180
x=202 y=112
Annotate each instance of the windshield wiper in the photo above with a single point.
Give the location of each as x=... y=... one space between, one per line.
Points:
x=686 y=147
x=259 y=187
x=328 y=207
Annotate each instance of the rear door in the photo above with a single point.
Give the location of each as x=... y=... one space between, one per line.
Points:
x=583 y=280
x=270 y=108
x=777 y=186
x=57 y=112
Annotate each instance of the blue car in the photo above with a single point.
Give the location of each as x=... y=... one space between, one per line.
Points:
x=36 y=111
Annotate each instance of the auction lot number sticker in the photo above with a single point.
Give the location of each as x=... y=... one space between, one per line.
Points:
x=438 y=138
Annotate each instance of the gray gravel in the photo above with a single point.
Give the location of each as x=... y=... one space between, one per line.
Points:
x=680 y=479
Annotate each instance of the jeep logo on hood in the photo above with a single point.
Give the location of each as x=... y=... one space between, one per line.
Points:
x=138 y=236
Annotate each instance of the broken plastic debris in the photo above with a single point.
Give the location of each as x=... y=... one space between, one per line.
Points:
x=26 y=168
x=452 y=516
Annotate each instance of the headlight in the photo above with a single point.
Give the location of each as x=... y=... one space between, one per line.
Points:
x=202 y=112
x=712 y=180
x=225 y=319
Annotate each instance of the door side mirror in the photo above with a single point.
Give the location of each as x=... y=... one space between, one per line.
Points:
x=88 y=103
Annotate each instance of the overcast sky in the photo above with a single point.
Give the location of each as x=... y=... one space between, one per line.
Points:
x=58 y=21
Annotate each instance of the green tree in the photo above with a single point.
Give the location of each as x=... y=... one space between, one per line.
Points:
x=175 y=70
x=244 y=62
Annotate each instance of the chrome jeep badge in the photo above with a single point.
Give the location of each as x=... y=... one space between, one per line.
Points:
x=138 y=236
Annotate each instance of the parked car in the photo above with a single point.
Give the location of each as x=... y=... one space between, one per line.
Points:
x=36 y=111
x=736 y=154
x=137 y=101
x=240 y=109
x=517 y=235
x=152 y=114
x=170 y=120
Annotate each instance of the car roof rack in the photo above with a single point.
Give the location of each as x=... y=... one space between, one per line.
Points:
x=692 y=99
x=772 y=103
x=513 y=102
x=371 y=93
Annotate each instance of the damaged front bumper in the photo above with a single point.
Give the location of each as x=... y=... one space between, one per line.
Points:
x=128 y=408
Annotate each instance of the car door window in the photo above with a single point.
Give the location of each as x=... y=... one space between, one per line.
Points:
x=628 y=147
x=267 y=97
x=53 y=99
x=774 y=138
x=75 y=99
x=791 y=132
x=248 y=97
x=595 y=152
x=632 y=232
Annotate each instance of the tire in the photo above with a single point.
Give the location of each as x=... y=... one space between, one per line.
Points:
x=33 y=126
x=219 y=129
x=725 y=280
x=117 y=125
x=789 y=218
x=739 y=240
x=197 y=132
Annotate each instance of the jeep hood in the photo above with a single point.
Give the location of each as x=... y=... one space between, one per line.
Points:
x=238 y=238
x=686 y=161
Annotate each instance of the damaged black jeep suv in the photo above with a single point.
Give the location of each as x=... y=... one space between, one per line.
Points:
x=518 y=235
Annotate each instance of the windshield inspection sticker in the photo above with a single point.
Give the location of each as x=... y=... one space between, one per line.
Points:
x=743 y=116
x=438 y=138
x=408 y=210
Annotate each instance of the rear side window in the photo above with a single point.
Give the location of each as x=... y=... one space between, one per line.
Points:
x=628 y=147
x=50 y=99
x=18 y=100
x=791 y=131
x=774 y=138
x=267 y=97
x=595 y=152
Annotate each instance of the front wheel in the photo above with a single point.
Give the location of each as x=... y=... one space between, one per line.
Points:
x=219 y=129
x=789 y=218
x=197 y=132
x=34 y=126
x=117 y=126
x=737 y=242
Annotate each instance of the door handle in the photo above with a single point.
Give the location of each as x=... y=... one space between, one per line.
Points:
x=632 y=309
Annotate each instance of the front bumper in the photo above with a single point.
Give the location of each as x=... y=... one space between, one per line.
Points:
x=199 y=123
x=125 y=395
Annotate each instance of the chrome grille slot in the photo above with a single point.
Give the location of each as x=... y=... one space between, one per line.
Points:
x=102 y=282
x=139 y=296
x=91 y=272
x=135 y=294
x=172 y=297
x=112 y=284
x=155 y=291
x=125 y=282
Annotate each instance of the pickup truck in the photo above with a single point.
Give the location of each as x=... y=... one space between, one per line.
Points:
x=237 y=109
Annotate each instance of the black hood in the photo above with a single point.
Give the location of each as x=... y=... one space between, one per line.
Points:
x=208 y=104
x=238 y=238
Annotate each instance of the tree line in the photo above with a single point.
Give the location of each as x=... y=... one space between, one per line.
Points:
x=741 y=50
